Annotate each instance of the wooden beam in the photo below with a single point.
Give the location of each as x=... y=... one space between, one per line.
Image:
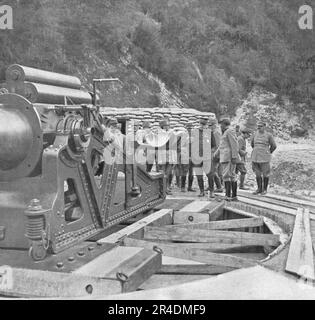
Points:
x=261 y=203
x=276 y=229
x=197 y=206
x=38 y=283
x=215 y=247
x=181 y=217
x=193 y=269
x=222 y=224
x=235 y=237
x=137 y=269
x=296 y=201
x=165 y=214
x=244 y=213
x=300 y=257
x=193 y=254
x=199 y=211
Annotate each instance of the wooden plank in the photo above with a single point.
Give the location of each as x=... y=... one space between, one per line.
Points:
x=137 y=269
x=276 y=229
x=242 y=238
x=193 y=269
x=172 y=260
x=108 y=261
x=197 y=206
x=300 y=257
x=38 y=283
x=222 y=224
x=260 y=203
x=138 y=226
x=199 y=211
x=301 y=202
x=215 y=247
x=181 y=217
x=193 y=254
x=244 y=213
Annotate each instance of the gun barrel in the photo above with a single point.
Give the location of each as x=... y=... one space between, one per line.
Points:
x=16 y=138
x=17 y=72
x=21 y=137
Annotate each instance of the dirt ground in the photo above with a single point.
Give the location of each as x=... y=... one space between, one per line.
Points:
x=293 y=168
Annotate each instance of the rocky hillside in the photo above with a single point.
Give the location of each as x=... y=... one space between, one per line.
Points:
x=205 y=54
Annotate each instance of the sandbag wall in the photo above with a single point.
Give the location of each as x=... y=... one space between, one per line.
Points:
x=178 y=117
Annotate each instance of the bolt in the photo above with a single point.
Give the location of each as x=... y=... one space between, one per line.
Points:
x=71 y=259
x=81 y=253
x=91 y=248
x=35 y=205
x=59 y=265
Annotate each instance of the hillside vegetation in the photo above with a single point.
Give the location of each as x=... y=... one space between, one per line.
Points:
x=208 y=52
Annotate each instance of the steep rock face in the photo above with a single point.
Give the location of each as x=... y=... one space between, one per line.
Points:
x=285 y=119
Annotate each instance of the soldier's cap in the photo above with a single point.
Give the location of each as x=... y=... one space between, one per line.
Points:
x=146 y=124
x=203 y=121
x=113 y=121
x=246 y=130
x=212 y=121
x=261 y=124
x=164 y=123
x=226 y=120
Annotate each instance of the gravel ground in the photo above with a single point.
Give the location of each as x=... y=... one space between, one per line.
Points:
x=293 y=169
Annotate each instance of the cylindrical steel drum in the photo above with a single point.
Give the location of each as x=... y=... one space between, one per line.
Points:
x=21 y=137
x=42 y=93
x=17 y=72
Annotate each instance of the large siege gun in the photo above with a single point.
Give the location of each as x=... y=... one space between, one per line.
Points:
x=52 y=193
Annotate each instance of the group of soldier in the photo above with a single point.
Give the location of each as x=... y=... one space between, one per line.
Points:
x=212 y=151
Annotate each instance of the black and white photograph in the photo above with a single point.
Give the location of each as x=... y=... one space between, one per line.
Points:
x=157 y=150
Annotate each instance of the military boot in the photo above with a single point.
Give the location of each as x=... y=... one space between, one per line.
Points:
x=242 y=181
x=190 y=183
x=201 y=186
x=234 y=191
x=266 y=182
x=228 y=187
x=259 y=184
x=183 y=183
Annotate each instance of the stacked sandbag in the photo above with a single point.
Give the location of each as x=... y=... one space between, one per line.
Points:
x=178 y=117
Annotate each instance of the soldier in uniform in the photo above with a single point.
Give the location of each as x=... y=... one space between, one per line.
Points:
x=148 y=153
x=238 y=130
x=213 y=177
x=263 y=145
x=240 y=167
x=183 y=163
x=203 y=142
x=165 y=157
x=190 y=166
x=228 y=154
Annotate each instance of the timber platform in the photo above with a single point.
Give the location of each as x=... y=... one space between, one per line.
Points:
x=260 y=247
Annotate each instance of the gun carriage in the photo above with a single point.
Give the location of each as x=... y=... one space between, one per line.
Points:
x=55 y=191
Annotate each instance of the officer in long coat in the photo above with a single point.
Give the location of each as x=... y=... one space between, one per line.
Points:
x=263 y=145
x=228 y=154
x=202 y=143
x=241 y=167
